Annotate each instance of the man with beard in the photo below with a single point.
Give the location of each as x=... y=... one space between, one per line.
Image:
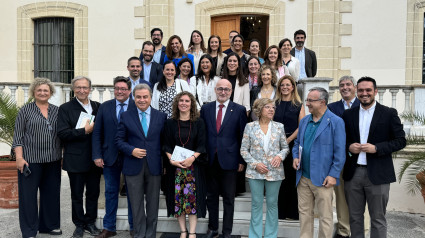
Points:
x=374 y=132
x=156 y=37
x=151 y=70
x=307 y=58
x=134 y=67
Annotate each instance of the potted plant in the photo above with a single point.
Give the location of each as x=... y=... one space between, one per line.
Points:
x=8 y=173
x=413 y=170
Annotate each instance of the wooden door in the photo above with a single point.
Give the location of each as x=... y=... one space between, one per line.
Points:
x=222 y=25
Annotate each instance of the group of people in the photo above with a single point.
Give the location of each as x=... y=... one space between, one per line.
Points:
x=229 y=114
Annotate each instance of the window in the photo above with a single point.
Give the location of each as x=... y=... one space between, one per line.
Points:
x=54 y=49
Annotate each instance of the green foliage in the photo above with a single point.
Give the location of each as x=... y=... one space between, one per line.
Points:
x=8 y=112
x=416 y=162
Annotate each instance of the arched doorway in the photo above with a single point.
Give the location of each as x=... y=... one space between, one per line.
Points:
x=250 y=26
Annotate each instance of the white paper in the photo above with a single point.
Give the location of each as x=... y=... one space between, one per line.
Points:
x=84 y=117
x=180 y=154
x=300 y=152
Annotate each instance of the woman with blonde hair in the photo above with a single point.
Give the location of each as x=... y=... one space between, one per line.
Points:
x=266 y=86
x=185 y=180
x=289 y=112
x=264 y=149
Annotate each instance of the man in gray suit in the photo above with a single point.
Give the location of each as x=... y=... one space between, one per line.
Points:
x=307 y=58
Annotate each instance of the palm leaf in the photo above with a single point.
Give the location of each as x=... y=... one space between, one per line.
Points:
x=8 y=113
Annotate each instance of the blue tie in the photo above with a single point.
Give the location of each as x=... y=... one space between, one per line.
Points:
x=144 y=123
x=121 y=111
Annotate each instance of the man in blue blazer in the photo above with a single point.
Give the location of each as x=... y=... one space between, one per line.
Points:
x=321 y=142
x=225 y=122
x=347 y=89
x=139 y=139
x=151 y=71
x=105 y=153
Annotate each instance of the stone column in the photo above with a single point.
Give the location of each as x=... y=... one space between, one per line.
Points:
x=308 y=83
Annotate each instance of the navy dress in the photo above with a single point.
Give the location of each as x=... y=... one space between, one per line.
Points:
x=288 y=114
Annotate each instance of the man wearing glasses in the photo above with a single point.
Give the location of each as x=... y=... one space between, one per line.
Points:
x=106 y=155
x=77 y=156
x=319 y=157
x=225 y=123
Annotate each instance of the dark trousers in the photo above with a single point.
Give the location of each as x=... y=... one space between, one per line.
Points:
x=112 y=175
x=140 y=186
x=288 y=196
x=224 y=182
x=360 y=190
x=45 y=177
x=90 y=180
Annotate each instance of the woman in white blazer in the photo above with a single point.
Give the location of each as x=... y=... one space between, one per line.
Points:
x=264 y=148
x=167 y=88
x=203 y=84
x=233 y=72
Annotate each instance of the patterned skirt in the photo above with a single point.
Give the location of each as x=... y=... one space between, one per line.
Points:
x=184 y=192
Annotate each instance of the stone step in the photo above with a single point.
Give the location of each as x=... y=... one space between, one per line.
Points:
x=242 y=203
x=240 y=223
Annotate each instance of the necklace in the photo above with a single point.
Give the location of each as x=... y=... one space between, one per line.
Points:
x=267 y=91
x=190 y=128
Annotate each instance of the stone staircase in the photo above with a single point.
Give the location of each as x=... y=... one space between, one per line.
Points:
x=241 y=220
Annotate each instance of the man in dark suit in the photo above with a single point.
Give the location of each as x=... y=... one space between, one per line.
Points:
x=105 y=153
x=82 y=172
x=373 y=132
x=139 y=139
x=225 y=122
x=134 y=67
x=307 y=57
x=151 y=71
x=159 y=51
x=347 y=89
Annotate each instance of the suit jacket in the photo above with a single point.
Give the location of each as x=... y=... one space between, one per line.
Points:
x=327 y=155
x=252 y=150
x=161 y=60
x=310 y=62
x=104 y=132
x=130 y=135
x=77 y=155
x=386 y=133
x=227 y=141
x=338 y=107
x=156 y=73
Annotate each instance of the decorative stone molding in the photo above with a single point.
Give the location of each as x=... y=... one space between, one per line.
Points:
x=324 y=32
x=414 y=41
x=25 y=28
x=274 y=8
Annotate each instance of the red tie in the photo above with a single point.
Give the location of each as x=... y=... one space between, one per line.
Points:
x=219 y=116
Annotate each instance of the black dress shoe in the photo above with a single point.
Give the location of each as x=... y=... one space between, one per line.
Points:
x=211 y=234
x=123 y=191
x=55 y=232
x=227 y=235
x=92 y=229
x=78 y=233
x=341 y=236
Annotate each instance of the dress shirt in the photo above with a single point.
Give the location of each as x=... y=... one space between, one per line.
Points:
x=137 y=82
x=309 y=134
x=223 y=111
x=300 y=55
x=147 y=69
x=87 y=106
x=207 y=93
x=346 y=105
x=157 y=55
x=365 y=118
x=118 y=107
x=148 y=116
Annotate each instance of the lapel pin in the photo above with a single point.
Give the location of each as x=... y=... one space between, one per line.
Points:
x=328 y=119
x=231 y=110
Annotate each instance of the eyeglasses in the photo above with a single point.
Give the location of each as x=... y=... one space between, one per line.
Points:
x=226 y=90
x=121 y=89
x=82 y=88
x=269 y=107
x=312 y=100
